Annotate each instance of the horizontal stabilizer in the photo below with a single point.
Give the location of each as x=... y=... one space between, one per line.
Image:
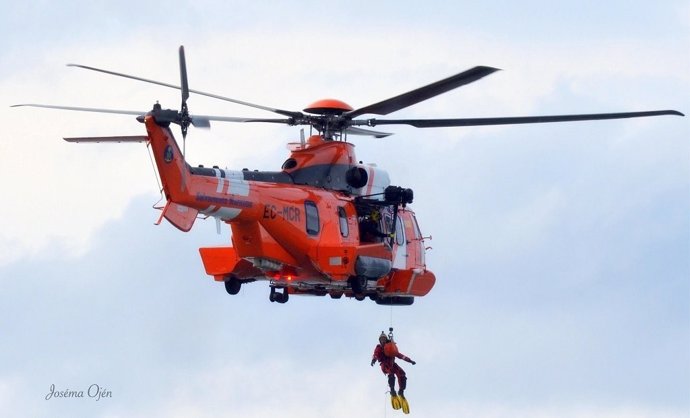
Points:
x=108 y=139
x=219 y=261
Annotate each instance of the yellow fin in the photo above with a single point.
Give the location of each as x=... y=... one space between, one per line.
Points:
x=405 y=406
x=395 y=402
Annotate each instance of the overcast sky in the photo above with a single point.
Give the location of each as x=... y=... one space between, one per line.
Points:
x=561 y=251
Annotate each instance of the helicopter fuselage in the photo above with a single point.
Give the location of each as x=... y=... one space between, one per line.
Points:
x=301 y=228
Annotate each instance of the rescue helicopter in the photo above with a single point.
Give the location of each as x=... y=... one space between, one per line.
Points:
x=325 y=223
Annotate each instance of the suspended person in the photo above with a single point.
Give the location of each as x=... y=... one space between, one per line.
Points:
x=386 y=357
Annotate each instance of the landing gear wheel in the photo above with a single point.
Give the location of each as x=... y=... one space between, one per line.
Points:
x=358 y=284
x=282 y=297
x=232 y=285
x=278 y=297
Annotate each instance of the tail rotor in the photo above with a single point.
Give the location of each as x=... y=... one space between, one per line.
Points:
x=183 y=117
x=185 y=120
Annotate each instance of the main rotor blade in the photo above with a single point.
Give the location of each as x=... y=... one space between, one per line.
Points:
x=184 y=84
x=201 y=93
x=441 y=123
x=107 y=139
x=423 y=93
x=366 y=132
x=84 y=109
x=199 y=121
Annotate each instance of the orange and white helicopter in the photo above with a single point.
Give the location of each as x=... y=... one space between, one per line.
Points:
x=325 y=224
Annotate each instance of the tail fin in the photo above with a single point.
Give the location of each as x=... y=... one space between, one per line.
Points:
x=172 y=168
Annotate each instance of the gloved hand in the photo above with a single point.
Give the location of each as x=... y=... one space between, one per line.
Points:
x=413 y=362
x=372 y=362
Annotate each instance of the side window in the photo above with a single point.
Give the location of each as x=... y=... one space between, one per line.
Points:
x=312 y=217
x=342 y=217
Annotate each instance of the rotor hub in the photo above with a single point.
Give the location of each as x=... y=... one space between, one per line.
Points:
x=328 y=107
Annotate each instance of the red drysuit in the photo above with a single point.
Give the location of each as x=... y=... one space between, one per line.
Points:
x=391 y=368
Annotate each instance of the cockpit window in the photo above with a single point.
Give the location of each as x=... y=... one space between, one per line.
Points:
x=399 y=232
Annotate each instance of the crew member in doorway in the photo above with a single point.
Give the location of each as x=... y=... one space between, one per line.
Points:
x=369 y=228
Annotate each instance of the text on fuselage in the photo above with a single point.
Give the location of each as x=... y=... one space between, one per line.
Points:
x=289 y=213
